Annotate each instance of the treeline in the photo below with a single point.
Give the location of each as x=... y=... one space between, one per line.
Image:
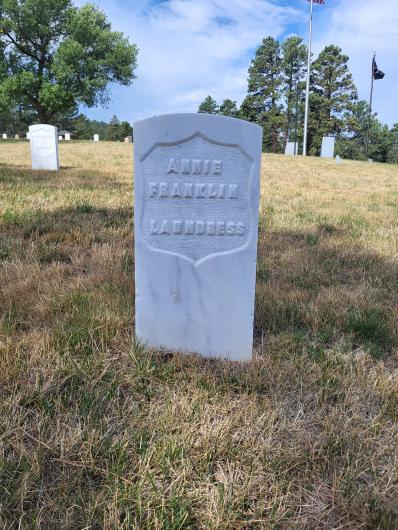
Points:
x=276 y=98
x=81 y=127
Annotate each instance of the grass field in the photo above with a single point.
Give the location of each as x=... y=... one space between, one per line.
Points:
x=95 y=433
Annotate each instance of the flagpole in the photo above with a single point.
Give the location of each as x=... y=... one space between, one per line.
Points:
x=370 y=107
x=307 y=88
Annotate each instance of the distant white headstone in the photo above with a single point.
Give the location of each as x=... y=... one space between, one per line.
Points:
x=67 y=136
x=4 y=136
x=28 y=136
x=128 y=139
x=196 y=219
x=338 y=159
x=17 y=136
x=370 y=160
x=59 y=137
x=327 y=150
x=44 y=147
x=290 y=148
x=96 y=137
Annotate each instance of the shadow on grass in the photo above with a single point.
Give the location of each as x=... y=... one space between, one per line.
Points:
x=90 y=221
x=74 y=177
x=315 y=287
x=319 y=286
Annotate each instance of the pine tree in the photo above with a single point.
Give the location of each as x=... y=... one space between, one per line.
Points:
x=113 y=129
x=125 y=130
x=293 y=72
x=360 y=125
x=333 y=95
x=228 y=108
x=263 y=101
x=393 y=152
x=208 y=106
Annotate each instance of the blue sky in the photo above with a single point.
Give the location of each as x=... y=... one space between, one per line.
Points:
x=191 y=48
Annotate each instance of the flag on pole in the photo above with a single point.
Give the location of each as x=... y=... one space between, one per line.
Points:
x=317 y=1
x=376 y=73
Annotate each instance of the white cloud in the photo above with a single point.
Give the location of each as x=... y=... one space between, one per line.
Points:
x=191 y=48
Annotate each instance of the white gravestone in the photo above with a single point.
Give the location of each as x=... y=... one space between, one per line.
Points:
x=44 y=147
x=327 y=150
x=4 y=136
x=338 y=159
x=67 y=136
x=27 y=136
x=196 y=220
x=289 y=149
x=96 y=137
x=128 y=139
x=17 y=136
x=59 y=137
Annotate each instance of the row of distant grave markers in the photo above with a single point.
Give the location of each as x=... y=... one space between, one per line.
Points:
x=327 y=149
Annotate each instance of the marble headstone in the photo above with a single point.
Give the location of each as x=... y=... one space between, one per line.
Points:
x=59 y=137
x=327 y=149
x=128 y=139
x=96 y=137
x=44 y=147
x=67 y=136
x=196 y=221
x=28 y=136
x=338 y=159
x=289 y=149
x=17 y=136
x=4 y=136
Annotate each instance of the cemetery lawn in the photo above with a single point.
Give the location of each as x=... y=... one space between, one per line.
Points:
x=97 y=433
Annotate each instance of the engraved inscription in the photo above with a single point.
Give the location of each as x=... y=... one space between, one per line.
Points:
x=42 y=141
x=196 y=198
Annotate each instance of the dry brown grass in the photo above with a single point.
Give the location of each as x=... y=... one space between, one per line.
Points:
x=96 y=433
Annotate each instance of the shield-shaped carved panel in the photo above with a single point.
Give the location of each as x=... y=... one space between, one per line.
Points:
x=196 y=198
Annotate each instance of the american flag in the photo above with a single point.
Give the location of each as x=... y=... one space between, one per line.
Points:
x=317 y=1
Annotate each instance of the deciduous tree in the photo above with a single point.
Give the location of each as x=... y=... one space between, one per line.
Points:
x=55 y=56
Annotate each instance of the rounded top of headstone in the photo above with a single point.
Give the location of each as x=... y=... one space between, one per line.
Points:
x=42 y=126
x=183 y=117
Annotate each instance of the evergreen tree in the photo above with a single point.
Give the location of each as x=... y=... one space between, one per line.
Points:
x=333 y=95
x=263 y=101
x=228 y=108
x=113 y=129
x=294 y=56
x=393 y=152
x=208 y=106
x=15 y=121
x=82 y=128
x=125 y=129
x=361 y=125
